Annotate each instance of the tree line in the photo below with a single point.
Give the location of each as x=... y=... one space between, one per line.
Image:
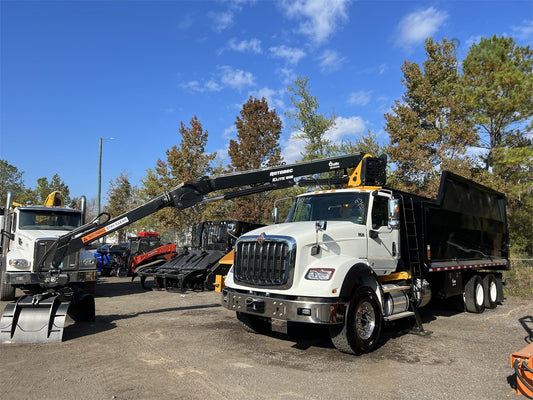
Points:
x=474 y=118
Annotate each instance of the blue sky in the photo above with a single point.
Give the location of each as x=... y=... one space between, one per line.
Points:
x=72 y=72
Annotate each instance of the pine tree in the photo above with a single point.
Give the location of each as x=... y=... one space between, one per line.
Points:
x=188 y=161
x=429 y=130
x=257 y=146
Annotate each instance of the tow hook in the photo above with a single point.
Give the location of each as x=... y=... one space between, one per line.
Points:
x=255 y=305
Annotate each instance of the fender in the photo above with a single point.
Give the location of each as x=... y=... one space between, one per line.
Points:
x=359 y=275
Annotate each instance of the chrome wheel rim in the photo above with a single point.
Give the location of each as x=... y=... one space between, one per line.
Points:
x=365 y=320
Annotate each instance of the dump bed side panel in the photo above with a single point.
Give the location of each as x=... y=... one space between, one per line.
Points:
x=466 y=222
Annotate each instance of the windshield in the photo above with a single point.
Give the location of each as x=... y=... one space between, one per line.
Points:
x=53 y=219
x=330 y=206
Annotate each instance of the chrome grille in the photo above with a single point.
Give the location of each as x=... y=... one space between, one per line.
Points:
x=41 y=247
x=267 y=264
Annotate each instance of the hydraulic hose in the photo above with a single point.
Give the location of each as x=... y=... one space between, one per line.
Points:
x=519 y=366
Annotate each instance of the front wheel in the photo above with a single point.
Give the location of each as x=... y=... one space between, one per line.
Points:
x=7 y=291
x=362 y=326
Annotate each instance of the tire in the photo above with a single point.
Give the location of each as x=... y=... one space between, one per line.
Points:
x=90 y=287
x=362 y=326
x=474 y=295
x=491 y=291
x=253 y=323
x=7 y=291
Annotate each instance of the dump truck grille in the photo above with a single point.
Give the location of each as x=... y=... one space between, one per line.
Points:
x=265 y=262
x=42 y=246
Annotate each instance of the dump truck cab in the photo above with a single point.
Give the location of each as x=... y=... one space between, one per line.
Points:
x=28 y=233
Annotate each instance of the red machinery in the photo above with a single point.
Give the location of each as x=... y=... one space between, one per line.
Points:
x=147 y=250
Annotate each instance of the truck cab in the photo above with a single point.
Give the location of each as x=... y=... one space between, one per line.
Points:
x=28 y=234
x=307 y=268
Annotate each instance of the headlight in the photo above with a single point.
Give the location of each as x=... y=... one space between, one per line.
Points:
x=319 y=274
x=19 y=263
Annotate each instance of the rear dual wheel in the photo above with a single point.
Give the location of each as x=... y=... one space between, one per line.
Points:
x=474 y=295
x=481 y=293
x=490 y=288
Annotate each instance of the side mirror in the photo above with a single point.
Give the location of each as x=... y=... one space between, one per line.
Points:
x=232 y=228
x=394 y=213
x=321 y=225
x=275 y=215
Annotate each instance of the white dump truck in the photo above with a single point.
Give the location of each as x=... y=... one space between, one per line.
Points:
x=357 y=257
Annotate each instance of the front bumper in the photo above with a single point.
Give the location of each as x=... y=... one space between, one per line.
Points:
x=32 y=278
x=319 y=311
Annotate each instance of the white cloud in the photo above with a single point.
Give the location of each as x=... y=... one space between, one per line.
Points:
x=360 y=98
x=288 y=76
x=225 y=77
x=291 y=54
x=229 y=132
x=291 y=150
x=224 y=19
x=330 y=61
x=221 y=20
x=523 y=31
x=236 y=78
x=274 y=98
x=318 y=19
x=416 y=27
x=346 y=127
x=245 y=46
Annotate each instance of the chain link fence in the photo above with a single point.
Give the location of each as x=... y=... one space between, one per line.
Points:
x=519 y=278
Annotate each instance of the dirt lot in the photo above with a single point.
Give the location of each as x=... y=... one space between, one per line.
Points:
x=159 y=345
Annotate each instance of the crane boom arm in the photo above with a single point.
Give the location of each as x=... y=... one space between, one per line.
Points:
x=193 y=192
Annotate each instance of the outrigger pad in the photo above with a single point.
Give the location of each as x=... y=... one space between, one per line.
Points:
x=36 y=319
x=26 y=321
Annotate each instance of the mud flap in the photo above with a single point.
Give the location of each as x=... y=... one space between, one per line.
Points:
x=34 y=319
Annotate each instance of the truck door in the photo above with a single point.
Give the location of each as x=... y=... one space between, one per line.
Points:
x=383 y=242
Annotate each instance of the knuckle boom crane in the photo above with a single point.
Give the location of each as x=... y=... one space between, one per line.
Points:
x=353 y=258
x=40 y=318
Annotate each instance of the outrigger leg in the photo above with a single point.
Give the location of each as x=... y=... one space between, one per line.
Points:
x=41 y=318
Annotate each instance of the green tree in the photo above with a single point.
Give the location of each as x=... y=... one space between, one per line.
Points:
x=428 y=128
x=257 y=146
x=368 y=144
x=498 y=86
x=120 y=200
x=311 y=125
x=189 y=161
x=45 y=187
x=11 y=179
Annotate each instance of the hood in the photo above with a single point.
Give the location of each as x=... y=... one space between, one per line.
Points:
x=41 y=234
x=305 y=232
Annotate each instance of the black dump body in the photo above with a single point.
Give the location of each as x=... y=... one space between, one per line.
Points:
x=464 y=228
x=196 y=268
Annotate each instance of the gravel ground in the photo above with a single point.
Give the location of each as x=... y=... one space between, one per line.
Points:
x=159 y=345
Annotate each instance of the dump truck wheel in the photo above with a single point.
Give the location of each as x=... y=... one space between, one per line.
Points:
x=474 y=295
x=253 y=323
x=362 y=327
x=7 y=292
x=491 y=291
